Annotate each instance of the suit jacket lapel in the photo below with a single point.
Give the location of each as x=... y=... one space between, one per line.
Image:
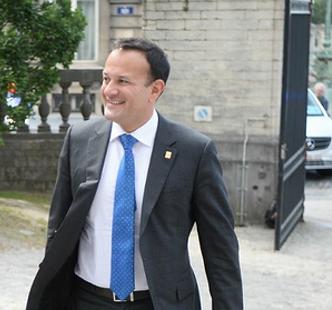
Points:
x=160 y=164
x=75 y=219
x=97 y=147
x=162 y=158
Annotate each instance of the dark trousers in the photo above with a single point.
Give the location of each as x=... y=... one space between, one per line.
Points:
x=86 y=300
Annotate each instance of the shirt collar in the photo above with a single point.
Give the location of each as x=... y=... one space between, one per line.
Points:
x=144 y=134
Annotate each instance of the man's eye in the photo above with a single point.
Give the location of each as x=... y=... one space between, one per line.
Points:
x=124 y=81
x=105 y=79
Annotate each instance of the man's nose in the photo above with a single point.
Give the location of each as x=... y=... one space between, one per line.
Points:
x=110 y=88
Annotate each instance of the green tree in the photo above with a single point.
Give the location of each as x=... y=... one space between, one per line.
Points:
x=35 y=39
x=319 y=11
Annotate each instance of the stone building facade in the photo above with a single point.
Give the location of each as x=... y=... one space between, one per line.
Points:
x=226 y=77
x=226 y=58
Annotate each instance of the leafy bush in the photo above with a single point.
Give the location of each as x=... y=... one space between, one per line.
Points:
x=319 y=11
x=35 y=39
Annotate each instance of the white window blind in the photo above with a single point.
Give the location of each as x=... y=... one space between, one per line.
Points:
x=87 y=49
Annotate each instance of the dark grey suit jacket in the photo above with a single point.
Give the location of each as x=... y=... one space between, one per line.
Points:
x=179 y=191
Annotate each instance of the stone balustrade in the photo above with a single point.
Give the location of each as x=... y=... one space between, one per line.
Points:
x=86 y=78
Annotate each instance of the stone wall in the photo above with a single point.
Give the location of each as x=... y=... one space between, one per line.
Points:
x=226 y=59
x=250 y=173
x=29 y=163
x=225 y=55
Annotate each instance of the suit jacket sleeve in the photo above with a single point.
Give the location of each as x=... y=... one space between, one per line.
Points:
x=62 y=194
x=217 y=238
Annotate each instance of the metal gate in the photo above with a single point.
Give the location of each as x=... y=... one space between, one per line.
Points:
x=293 y=119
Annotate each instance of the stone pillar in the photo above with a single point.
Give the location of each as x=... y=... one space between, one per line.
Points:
x=44 y=111
x=86 y=105
x=65 y=107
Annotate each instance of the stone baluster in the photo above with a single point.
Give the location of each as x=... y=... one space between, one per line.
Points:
x=44 y=111
x=65 y=107
x=86 y=104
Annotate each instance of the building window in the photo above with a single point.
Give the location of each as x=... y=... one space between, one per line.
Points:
x=88 y=47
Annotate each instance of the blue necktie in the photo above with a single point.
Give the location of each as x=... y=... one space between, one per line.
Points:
x=122 y=278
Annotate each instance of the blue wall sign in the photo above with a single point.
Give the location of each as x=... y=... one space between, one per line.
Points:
x=125 y=10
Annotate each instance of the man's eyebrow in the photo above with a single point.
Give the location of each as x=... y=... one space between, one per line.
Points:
x=126 y=77
x=119 y=77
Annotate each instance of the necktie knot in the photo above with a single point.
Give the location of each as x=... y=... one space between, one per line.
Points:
x=127 y=141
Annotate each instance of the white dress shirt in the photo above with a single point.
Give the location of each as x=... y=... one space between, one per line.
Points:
x=95 y=247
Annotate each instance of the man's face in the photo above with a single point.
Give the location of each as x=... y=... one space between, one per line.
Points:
x=320 y=92
x=127 y=91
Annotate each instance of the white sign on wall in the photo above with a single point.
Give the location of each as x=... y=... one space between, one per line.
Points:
x=299 y=7
x=202 y=113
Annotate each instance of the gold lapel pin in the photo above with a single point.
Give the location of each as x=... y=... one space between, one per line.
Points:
x=168 y=154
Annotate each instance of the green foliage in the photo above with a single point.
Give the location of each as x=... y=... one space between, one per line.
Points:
x=319 y=11
x=35 y=38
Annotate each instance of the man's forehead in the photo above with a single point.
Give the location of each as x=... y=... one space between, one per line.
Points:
x=126 y=63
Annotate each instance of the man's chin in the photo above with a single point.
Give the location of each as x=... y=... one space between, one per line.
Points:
x=109 y=115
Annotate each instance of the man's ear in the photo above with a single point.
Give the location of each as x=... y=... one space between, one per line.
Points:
x=157 y=89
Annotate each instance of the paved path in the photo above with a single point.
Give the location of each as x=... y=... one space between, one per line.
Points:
x=17 y=268
x=297 y=277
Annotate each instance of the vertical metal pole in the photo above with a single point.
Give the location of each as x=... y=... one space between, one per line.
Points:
x=327 y=48
x=282 y=139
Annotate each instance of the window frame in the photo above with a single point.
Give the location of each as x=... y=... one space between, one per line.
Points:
x=96 y=39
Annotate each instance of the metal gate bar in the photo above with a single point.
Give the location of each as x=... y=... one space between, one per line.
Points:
x=290 y=200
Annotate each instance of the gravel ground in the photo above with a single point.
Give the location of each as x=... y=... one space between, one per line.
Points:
x=297 y=277
x=17 y=268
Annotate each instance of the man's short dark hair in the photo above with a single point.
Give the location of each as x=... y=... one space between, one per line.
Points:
x=156 y=57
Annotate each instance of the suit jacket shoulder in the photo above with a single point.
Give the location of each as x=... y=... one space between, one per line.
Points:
x=85 y=129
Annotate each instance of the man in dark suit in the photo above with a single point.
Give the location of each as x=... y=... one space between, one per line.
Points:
x=320 y=91
x=130 y=187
